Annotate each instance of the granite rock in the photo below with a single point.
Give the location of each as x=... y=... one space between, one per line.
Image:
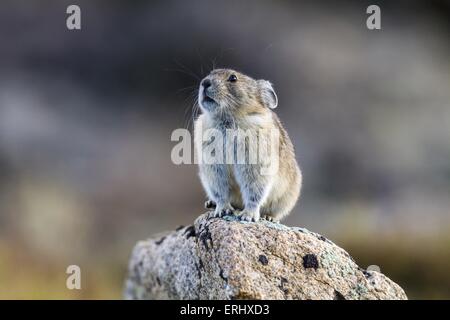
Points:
x=224 y=258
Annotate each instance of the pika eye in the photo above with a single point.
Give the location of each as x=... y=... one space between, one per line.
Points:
x=232 y=78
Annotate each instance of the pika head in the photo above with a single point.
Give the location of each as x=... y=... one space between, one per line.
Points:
x=226 y=90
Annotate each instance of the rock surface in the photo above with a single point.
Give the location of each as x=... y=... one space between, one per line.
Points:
x=229 y=259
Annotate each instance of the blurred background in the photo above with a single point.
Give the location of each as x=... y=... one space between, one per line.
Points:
x=86 y=118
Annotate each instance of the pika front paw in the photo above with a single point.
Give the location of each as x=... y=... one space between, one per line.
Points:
x=249 y=216
x=209 y=204
x=222 y=211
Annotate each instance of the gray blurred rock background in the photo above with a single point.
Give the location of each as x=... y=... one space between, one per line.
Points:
x=86 y=118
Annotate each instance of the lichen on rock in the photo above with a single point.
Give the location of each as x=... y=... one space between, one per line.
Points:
x=224 y=258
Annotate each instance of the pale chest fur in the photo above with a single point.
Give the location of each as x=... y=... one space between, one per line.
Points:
x=251 y=127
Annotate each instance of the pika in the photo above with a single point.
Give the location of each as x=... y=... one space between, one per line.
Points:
x=230 y=100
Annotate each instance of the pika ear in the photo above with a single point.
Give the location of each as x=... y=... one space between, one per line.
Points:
x=268 y=95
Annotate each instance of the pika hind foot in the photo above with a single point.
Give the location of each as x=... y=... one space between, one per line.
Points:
x=271 y=219
x=221 y=211
x=209 y=204
x=250 y=216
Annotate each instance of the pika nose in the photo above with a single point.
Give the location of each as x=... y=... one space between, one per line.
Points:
x=206 y=83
